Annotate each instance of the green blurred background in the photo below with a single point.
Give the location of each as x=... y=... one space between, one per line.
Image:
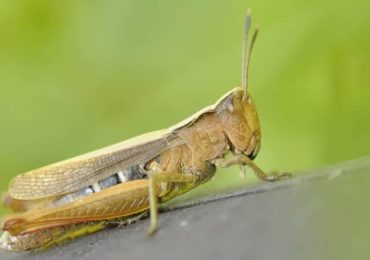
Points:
x=80 y=75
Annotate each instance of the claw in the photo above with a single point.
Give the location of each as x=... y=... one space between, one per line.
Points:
x=152 y=230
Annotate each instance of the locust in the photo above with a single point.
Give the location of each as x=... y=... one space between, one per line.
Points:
x=126 y=181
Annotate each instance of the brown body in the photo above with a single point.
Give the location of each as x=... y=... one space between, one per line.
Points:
x=205 y=139
x=123 y=181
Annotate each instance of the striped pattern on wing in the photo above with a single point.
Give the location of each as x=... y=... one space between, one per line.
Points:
x=81 y=171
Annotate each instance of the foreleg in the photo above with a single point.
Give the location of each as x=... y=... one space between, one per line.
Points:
x=241 y=159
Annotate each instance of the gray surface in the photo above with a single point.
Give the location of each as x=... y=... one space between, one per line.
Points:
x=317 y=216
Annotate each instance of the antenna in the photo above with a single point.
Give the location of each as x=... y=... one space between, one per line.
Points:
x=246 y=52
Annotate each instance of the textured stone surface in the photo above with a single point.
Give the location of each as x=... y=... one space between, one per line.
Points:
x=316 y=216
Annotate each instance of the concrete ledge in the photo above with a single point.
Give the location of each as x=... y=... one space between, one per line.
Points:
x=318 y=215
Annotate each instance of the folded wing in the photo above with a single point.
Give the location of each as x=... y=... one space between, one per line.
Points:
x=81 y=171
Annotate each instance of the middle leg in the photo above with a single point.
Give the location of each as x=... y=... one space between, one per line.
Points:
x=155 y=179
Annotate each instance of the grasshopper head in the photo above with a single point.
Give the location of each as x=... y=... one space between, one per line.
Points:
x=239 y=120
x=237 y=111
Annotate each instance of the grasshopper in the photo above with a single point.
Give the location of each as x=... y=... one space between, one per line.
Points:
x=123 y=182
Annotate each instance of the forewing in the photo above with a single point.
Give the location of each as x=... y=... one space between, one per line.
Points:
x=81 y=171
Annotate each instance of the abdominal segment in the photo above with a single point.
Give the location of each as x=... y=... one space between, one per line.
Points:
x=129 y=174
